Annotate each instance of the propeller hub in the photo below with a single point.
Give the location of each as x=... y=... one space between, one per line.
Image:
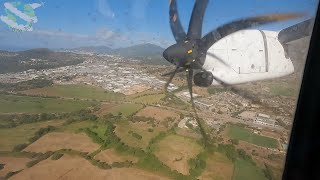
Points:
x=182 y=54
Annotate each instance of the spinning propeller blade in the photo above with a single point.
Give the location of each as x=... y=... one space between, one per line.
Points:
x=175 y=23
x=212 y=37
x=196 y=21
x=170 y=79
x=189 y=82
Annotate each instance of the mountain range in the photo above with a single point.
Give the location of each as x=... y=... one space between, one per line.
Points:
x=148 y=53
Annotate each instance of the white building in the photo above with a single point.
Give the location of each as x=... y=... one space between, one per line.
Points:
x=264 y=119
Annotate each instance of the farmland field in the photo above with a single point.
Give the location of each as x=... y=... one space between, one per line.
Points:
x=76 y=91
x=74 y=127
x=25 y=104
x=149 y=99
x=175 y=151
x=123 y=131
x=58 y=140
x=157 y=113
x=125 y=109
x=13 y=136
x=235 y=132
x=12 y=164
x=218 y=167
x=283 y=90
x=69 y=167
x=110 y=155
x=245 y=170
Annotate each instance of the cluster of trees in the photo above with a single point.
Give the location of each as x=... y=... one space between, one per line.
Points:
x=148 y=120
x=243 y=155
x=2 y=166
x=24 y=85
x=81 y=115
x=13 y=120
x=273 y=156
x=122 y=164
x=234 y=141
x=155 y=140
x=11 y=173
x=135 y=135
x=111 y=117
x=41 y=132
x=40 y=158
x=19 y=147
x=232 y=153
x=93 y=135
x=151 y=162
x=268 y=172
x=104 y=165
x=197 y=164
x=56 y=156
x=169 y=121
x=229 y=150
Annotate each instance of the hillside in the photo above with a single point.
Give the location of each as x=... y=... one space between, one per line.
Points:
x=35 y=59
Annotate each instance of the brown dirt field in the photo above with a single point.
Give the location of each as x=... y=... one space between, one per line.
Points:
x=58 y=140
x=69 y=168
x=218 y=167
x=263 y=152
x=201 y=91
x=270 y=134
x=104 y=109
x=12 y=164
x=136 y=89
x=157 y=113
x=175 y=151
x=110 y=155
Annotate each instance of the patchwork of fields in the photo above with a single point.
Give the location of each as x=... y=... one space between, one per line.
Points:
x=138 y=145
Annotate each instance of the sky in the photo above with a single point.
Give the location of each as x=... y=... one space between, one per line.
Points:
x=121 y=23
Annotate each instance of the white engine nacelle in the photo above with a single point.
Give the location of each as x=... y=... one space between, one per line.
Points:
x=248 y=55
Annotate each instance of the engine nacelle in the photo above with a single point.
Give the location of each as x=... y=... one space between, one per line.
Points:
x=203 y=79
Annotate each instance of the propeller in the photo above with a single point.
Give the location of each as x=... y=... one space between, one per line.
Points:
x=190 y=51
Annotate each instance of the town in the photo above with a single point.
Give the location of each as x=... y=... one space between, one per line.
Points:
x=108 y=72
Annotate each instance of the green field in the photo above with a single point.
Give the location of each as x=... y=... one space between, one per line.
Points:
x=13 y=136
x=246 y=170
x=282 y=90
x=74 y=127
x=25 y=104
x=236 y=132
x=149 y=99
x=125 y=109
x=100 y=129
x=76 y=91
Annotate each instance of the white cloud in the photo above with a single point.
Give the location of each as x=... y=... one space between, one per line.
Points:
x=105 y=9
x=61 y=39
